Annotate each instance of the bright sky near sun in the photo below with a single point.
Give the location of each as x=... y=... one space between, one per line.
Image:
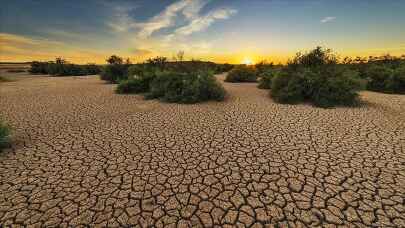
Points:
x=237 y=31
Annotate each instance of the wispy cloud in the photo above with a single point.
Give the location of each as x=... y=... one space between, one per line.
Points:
x=192 y=20
x=201 y=23
x=328 y=19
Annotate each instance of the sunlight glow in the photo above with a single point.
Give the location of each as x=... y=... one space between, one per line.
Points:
x=247 y=61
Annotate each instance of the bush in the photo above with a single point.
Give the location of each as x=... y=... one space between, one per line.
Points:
x=4 y=134
x=132 y=86
x=39 y=67
x=242 y=73
x=185 y=87
x=315 y=77
x=396 y=82
x=383 y=78
x=115 y=71
x=377 y=76
x=266 y=78
x=138 y=82
x=62 y=68
x=288 y=88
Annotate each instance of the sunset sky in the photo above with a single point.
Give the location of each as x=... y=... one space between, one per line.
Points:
x=231 y=31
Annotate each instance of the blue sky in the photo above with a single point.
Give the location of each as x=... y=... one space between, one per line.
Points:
x=218 y=30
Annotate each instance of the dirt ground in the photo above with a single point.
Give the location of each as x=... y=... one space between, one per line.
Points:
x=82 y=155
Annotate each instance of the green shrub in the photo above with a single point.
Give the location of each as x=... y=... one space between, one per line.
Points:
x=339 y=88
x=116 y=70
x=138 y=82
x=185 y=87
x=384 y=78
x=324 y=88
x=62 y=68
x=132 y=86
x=377 y=76
x=242 y=73
x=39 y=67
x=114 y=73
x=396 y=82
x=317 y=78
x=265 y=79
x=4 y=134
x=288 y=88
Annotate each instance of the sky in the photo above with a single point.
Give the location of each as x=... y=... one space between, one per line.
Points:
x=233 y=31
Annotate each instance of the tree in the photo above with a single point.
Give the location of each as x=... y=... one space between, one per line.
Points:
x=114 y=59
x=180 y=56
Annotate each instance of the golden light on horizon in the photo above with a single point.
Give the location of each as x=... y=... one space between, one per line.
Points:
x=247 y=61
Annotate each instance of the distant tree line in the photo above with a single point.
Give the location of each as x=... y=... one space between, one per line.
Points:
x=61 y=67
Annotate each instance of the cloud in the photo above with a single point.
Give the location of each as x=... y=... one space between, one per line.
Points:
x=141 y=52
x=201 y=23
x=192 y=20
x=328 y=19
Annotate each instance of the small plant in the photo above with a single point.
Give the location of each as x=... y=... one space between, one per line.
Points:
x=265 y=79
x=242 y=73
x=4 y=134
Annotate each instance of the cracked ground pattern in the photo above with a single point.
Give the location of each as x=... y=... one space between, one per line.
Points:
x=82 y=155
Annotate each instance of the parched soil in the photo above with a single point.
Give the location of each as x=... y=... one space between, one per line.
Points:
x=82 y=155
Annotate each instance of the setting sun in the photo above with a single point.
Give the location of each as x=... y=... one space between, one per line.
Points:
x=247 y=61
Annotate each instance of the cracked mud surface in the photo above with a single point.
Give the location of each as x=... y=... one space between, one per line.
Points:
x=83 y=155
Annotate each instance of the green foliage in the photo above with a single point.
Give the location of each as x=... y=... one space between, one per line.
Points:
x=315 y=77
x=132 y=86
x=385 y=78
x=318 y=57
x=62 y=68
x=222 y=68
x=185 y=87
x=263 y=66
x=115 y=60
x=288 y=88
x=4 y=134
x=266 y=78
x=377 y=76
x=138 y=82
x=158 y=62
x=115 y=71
x=39 y=67
x=242 y=73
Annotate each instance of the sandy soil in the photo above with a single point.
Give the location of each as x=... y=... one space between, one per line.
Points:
x=84 y=155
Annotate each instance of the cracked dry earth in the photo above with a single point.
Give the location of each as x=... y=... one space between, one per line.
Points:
x=82 y=155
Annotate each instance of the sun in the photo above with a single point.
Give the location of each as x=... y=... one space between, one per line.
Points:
x=247 y=61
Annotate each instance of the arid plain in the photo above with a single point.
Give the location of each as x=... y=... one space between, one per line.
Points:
x=83 y=155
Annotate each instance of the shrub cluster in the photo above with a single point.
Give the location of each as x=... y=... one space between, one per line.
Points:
x=383 y=78
x=322 y=88
x=242 y=73
x=4 y=134
x=315 y=77
x=266 y=78
x=186 y=87
x=62 y=68
x=174 y=87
